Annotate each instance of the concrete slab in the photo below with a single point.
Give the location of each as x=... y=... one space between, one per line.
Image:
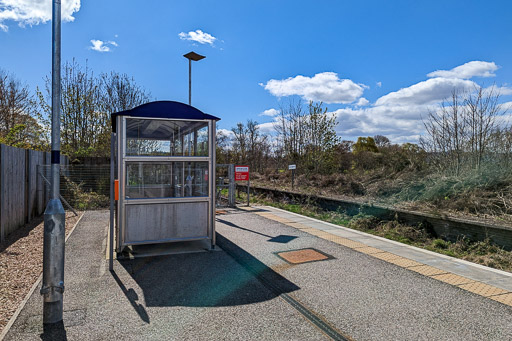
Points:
x=500 y=283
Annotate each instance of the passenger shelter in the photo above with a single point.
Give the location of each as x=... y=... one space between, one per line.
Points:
x=165 y=174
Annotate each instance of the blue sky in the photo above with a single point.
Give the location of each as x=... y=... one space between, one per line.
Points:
x=377 y=65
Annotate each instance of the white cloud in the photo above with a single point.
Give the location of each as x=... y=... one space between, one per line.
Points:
x=324 y=87
x=267 y=128
x=362 y=102
x=398 y=123
x=270 y=112
x=102 y=46
x=471 y=69
x=398 y=115
x=379 y=84
x=427 y=92
x=504 y=90
x=198 y=36
x=34 y=12
x=226 y=132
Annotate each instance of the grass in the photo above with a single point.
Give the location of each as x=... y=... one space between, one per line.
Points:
x=480 y=252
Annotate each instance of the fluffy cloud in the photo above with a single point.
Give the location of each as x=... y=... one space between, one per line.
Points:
x=267 y=128
x=226 y=132
x=270 y=112
x=427 y=92
x=34 y=12
x=102 y=46
x=471 y=69
x=362 y=102
x=198 y=36
x=325 y=87
x=398 y=115
x=398 y=123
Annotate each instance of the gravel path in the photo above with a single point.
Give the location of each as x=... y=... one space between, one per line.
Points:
x=21 y=263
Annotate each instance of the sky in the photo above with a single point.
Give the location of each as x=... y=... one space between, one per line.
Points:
x=379 y=66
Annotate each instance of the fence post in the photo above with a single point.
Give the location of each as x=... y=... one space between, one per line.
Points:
x=28 y=173
x=2 y=197
x=232 y=186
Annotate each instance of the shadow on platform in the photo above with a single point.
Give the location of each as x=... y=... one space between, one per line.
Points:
x=207 y=279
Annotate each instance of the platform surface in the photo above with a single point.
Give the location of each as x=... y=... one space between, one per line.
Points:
x=365 y=288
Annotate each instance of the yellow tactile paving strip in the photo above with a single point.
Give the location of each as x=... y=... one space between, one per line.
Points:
x=482 y=289
x=453 y=279
x=505 y=298
x=369 y=250
x=479 y=288
x=427 y=270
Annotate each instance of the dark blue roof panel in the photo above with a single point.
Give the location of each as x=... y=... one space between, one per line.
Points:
x=164 y=109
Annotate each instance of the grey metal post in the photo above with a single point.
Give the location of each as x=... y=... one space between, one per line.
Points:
x=232 y=186
x=112 y=184
x=54 y=215
x=190 y=82
x=248 y=193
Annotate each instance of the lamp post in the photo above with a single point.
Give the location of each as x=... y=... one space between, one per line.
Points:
x=191 y=56
x=54 y=215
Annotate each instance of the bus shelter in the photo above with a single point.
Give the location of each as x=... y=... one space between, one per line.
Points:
x=165 y=174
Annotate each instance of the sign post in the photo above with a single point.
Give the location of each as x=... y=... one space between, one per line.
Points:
x=242 y=174
x=292 y=168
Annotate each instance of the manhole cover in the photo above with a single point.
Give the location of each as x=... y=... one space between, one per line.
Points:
x=303 y=256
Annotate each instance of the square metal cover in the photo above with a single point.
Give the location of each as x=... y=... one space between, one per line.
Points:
x=303 y=256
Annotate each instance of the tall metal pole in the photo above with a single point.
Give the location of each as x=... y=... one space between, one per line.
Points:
x=54 y=215
x=189 y=82
x=191 y=56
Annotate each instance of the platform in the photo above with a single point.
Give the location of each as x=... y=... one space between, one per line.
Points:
x=279 y=276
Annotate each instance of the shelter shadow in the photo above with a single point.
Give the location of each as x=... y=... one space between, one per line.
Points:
x=207 y=279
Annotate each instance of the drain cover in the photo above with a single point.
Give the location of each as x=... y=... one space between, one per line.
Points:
x=303 y=256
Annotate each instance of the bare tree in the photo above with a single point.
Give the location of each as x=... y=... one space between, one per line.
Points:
x=240 y=141
x=381 y=141
x=18 y=127
x=482 y=110
x=16 y=103
x=460 y=133
x=446 y=133
x=290 y=129
x=87 y=102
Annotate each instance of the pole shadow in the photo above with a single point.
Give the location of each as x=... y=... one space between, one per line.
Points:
x=54 y=332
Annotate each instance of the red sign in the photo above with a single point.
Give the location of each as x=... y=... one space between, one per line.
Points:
x=241 y=173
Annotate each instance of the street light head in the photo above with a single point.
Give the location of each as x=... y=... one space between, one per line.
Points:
x=193 y=56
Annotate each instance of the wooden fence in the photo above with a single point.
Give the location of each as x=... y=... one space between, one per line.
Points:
x=23 y=194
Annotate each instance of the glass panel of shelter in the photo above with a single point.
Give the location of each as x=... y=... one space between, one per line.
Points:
x=166 y=180
x=146 y=137
x=159 y=179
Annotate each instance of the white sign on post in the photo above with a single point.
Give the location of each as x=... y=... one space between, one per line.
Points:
x=292 y=166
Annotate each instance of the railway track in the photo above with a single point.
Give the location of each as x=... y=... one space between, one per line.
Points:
x=449 y=228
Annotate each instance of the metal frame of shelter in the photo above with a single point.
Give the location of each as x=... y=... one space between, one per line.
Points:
x=164 y=155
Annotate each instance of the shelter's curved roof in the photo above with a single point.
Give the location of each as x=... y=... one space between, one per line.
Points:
x=164 y=109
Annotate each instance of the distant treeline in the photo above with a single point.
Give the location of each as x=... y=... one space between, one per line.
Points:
x=465 y=133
